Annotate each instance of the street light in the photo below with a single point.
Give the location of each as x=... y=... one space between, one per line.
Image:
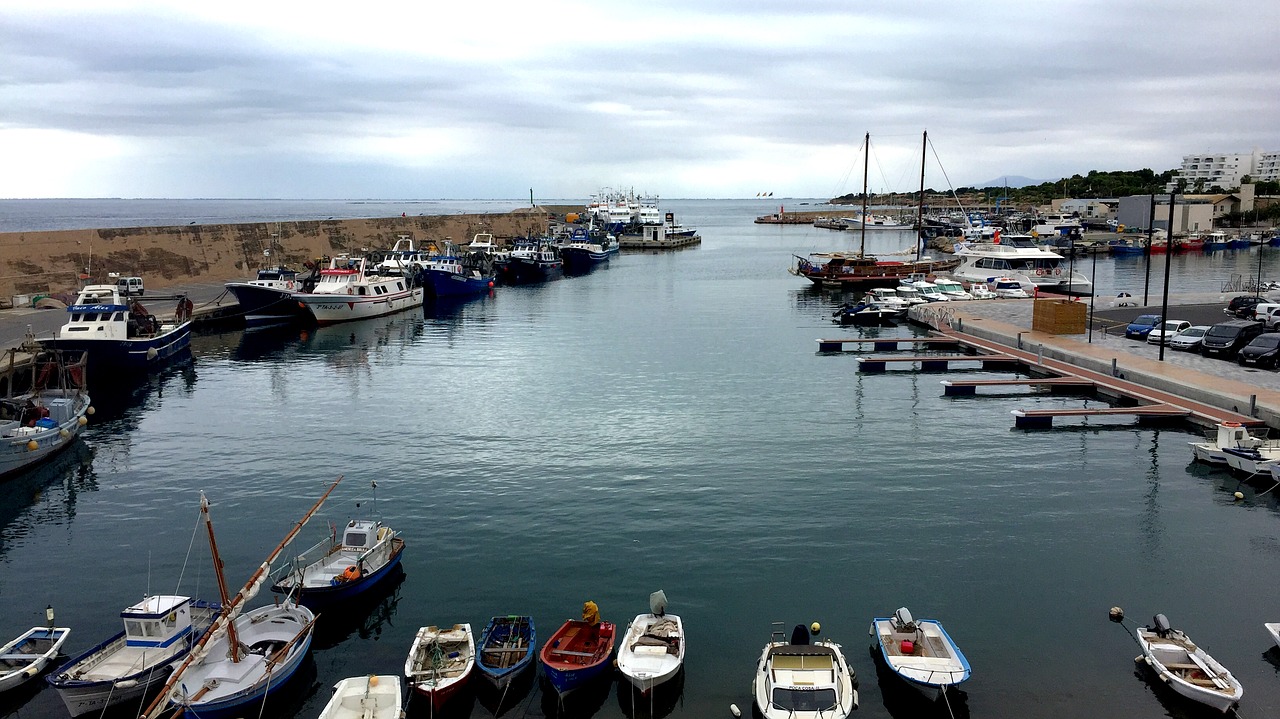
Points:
x=1168 y=261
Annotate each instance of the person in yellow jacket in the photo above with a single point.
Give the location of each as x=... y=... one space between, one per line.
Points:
x=591 y=615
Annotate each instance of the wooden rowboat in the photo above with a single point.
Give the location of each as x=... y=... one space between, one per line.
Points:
x=506 y=649
x=1186 y=668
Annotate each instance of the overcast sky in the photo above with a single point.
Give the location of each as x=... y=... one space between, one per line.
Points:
x=698 y=98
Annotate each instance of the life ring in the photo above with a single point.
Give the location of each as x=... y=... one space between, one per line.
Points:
x=288 y=285
x=1040 y=272
x=1058 y=272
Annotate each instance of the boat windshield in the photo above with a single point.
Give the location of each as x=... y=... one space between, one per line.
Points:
x=804 y=700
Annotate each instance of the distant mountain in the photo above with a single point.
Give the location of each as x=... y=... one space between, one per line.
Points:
x=1011 y=181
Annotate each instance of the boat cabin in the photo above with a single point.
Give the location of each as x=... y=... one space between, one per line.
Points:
x=101 y=313
x=803 y=677
x=361 y=534
x=157 y=621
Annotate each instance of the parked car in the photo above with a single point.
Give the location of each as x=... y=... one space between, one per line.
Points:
x=1166 y=331
x=1226 y=338
x=1263 y=351
x=1140 y=327
x=1272 y=320
x=1263 y=309
x=1242 y=306
x=1189 y=339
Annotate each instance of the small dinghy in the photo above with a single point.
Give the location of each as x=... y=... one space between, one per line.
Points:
x=803 y=680
x=921 y=652
x=652 y=651
x=440 y=662
x=25 y=657
x=506 y=649
x=371 y=697
x=1187 y=668
x=579 y=651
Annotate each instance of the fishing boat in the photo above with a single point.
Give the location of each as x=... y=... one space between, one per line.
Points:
x=579 y=651
x=244 y=657
x=1187 y=668
x=1251 y=460
x=454 y=274
x=440 y=662
x=920 y=652
x=158 y=634
x=531 y=261
x=349 y=290
x=865 y=314
x=652 y=650
x=376 y=696
x=507 y=648
x=585 y=251
x=1126 y=247
x=803 y=679
x=1216 y=240
x=27 y=656
x=1228 y=435
x=268 y=299
x=118 y=333
x=403 y=259
x=44 y=409
x=333 y=571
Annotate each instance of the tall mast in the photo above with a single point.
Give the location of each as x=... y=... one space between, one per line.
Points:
x=924 y=153
x=232 y=640
x=866 y=165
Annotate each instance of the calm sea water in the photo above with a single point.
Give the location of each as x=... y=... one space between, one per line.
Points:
x=664 y=423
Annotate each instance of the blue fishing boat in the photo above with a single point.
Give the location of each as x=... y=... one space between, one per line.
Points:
x=332 y=571
x=506 y=649
x=578 y=652
x=1126 y=247
x=585 y=251
x=531 y=261
x=118 y=334
x=455 y=275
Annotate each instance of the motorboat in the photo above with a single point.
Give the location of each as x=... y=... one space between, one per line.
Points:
x=1056 y=224
x=368 y=697
x=349 y=290
x=333 y=571
x=531 y=261
x=1031 y=266
x=585 y=251
x=579 y=651
x=951 y=289
x=46 y=416
x=929 y=291
x=268 y=299
x=506 y=649
x=981 y=291
x=118 y=333
x=159 y=632
x=885 y=298
x=1007 y=288
x=27 y=656
x=803 y=679
x=1251 y=460
x=440 y=662
x=1187 y=668
x=876 y=222
x=920 y=652
x=652 y=650
x=1273 y=628
x=865 y=313
x=910 y=295
x=458 y=275
x=1229 y=435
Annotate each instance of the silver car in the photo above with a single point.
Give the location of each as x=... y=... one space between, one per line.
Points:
x=1188 y=339
x=1167 y=329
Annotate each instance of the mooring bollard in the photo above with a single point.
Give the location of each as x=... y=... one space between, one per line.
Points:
x=1115 y=367
x=1020 y=340
x=1253 y=405
x=959 y=324
x=1040 y=354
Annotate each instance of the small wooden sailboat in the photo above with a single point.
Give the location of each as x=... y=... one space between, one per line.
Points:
x=243 y=657
x=652 y=650
x=579 y=650
x=367 y=554
x=371 y=697
x=440 y=662
x=25 y=657
x=1187 y=668
x=800 y=679
x=921 y=652
x=506 y=649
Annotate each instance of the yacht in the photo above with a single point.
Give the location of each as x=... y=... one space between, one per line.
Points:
x=1035 y=268
x=1056 y=225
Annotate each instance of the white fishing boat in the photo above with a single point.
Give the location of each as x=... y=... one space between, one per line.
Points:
x=333 y=570
x=405 y=259
x=652 y=651
x=1031 y=266
x=1228 y=435
x=118 y=333
x=349 y=290
x=158 y=634
x=244 y=657
x=47 y=413
x=440 y=661
x=920 y=652
x=376 y=696
x=803 y=679
x=25 y=657
x=1186 y=668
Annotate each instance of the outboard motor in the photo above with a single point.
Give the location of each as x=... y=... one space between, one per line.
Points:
x=658 y=603
x=1161 y=624
x=800 y=635
x=903 y=621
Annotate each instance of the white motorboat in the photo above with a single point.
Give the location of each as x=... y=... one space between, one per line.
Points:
x=885 y=298
x=158 y=633
x=1031 y=266
x=45 y=418
x=952 y=289
x=980 y=291
x=349 y=290
x=1055 y=225
x=910 y=295
x=332 y=570
x=652 y=651
x=1252 y=460
x=25 y=657
x=929 y=291
x=1186 y=668
x=876 y=222
x=1229 y=435
x=376 y=696
x=921 y=652
x=440 y=661
x=1007 y=288
x=803 y=679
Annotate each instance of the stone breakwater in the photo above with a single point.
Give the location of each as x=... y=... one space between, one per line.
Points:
x=52 y=262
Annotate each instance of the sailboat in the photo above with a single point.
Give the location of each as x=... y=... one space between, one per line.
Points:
x=861 y=271
x=243 y=657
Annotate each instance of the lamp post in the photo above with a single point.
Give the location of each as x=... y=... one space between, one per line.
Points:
x=1093 y=281
x=1168 y=261
x=1151 y=230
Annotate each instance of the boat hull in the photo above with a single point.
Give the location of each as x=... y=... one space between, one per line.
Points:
x=262 y=306
x=368 y=697
x=16 y=453
x=493 y=647
x=37 y=647
x=1156 y=652
x=645 y=667
x=329 y=309
x=580 y=260
x=317 y=598
x=136 y=355
x=930 y=678
x=437 y=667
x=519 y=272
x=567 y=671
x=450 y=284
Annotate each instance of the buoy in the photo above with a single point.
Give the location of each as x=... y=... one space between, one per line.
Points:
x=1116 y=614
x=373 y=680
x=91 y=410
x=33 y=445
x=63 y=433
x=83 y=421
x=815 y=628
x=490 y=283
x=734 y=710
x=1239 y=495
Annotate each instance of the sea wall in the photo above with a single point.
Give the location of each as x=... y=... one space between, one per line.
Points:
x=33 y=263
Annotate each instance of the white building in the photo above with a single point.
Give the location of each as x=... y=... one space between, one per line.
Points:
x=1268 y=168
x=1225 y=171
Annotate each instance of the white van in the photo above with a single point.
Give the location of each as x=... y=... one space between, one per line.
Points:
x=1263 y=310
x=130 y=286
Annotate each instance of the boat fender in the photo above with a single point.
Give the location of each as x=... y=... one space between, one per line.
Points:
x=1058 y=272
x=815 y=629
x=734 y=710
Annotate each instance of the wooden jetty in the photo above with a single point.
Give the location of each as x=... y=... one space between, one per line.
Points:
x=966 y=387
x=885 y=344
x=933 y=363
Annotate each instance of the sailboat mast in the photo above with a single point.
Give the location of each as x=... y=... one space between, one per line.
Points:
x=866 y=166
x=924 y=153
x=232 y=640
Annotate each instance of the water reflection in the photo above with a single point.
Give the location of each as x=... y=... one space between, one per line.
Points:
x=45 y=494
x=500 y=703
x=1175 y=705
x=365 y=616
x=656 y=704
x=580 y=703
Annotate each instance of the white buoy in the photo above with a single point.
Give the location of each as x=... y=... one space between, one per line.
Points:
x=734 y=710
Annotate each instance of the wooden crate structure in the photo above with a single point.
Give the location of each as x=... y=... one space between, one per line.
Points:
x=1059 y=317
